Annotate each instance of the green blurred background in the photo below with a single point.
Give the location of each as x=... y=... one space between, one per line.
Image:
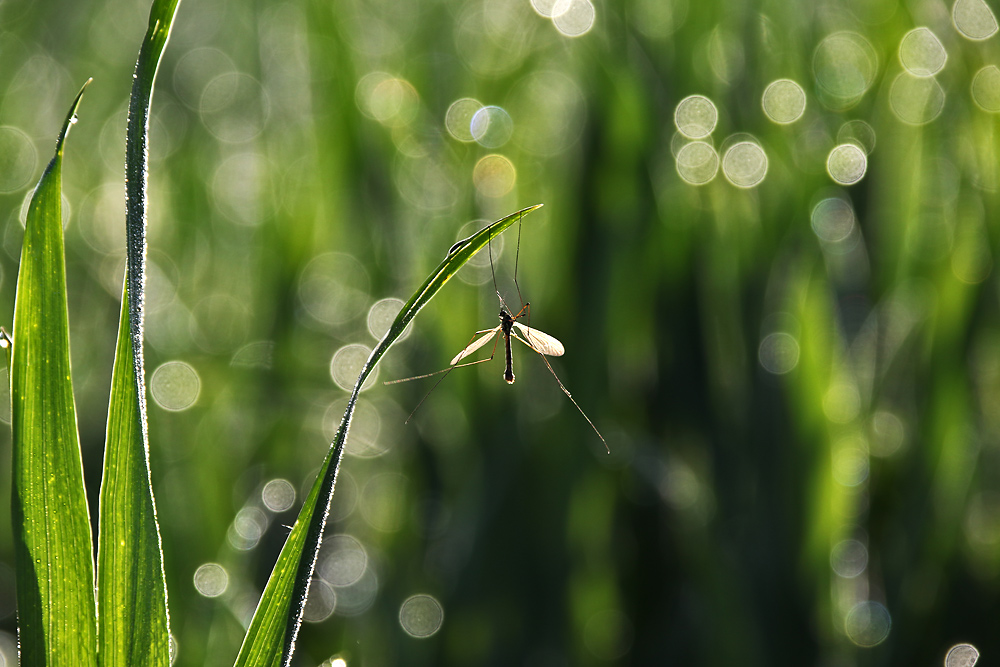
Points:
x=799 y=380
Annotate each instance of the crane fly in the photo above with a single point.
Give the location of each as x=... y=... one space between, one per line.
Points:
x=509 y=327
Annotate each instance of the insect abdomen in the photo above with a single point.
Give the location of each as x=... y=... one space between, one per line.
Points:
x=508 y=372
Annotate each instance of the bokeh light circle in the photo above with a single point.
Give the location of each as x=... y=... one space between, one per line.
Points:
x=849 y=558
x=390 y=100
x=236 y=184
x=491 y=127
x=833 y=219
x=342 y=560
x=857 y=132
x=778 y=352
x=320 y=603
x=845 y=65
x=18 y=159
x=697 y=163
x=847 y=164
x=546 y=8
x=574 y=18
x=234 y=107
x=551 y=111
x=696 y=116
x=850 y=462
x=745 y=164
x=247 y=528
x=381 y=316
x=868 y=623
x=333 y=288
x=278 y=495
x=986 y=88
x=211 y=580
x=458 y=118
x=494 y=176
x=921 y=53
x=346 y=365
x=421 y=616
x=887 y=433
x=363 y=441
x=962 y=655
x=916 y=100
x=784 y=101
x=842 y=402
x=175 y=386
x=973 y=19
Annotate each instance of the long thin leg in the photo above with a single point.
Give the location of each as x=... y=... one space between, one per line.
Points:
x=489 y=243
x=445 y=371
x=566 y=391
x=517 y=255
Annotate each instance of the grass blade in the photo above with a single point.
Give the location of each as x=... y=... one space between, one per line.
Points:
x=132 y=597
x=53 y=549
x=270 y=640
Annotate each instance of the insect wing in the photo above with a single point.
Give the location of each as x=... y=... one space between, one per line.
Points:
x=475 y=345
x=540 y=342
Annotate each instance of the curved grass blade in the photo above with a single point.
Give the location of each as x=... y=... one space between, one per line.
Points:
x=270 y=640
x=132 y=597
x=53 y=552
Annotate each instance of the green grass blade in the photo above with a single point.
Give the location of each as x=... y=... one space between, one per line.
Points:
x=53 y=549
x=270 y=640
x=132 y=597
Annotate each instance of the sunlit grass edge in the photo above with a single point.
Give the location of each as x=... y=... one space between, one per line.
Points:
x=131 y=593
x=54 y=566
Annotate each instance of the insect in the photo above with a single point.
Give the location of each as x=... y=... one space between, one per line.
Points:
x=509 y=327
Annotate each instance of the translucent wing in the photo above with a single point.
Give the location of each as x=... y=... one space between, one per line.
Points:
x=540 y=341
x=475 y=345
